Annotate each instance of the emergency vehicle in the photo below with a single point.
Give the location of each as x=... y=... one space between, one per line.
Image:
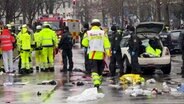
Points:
x=74 y=26
x=57 y=23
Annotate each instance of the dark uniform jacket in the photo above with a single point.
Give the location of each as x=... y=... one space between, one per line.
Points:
x=66 y=42
x=134 y=44
x=115 y=40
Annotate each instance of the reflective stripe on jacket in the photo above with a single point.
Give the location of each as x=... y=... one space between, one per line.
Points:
x=154 y=52
x=6 y=40
x=96 y=54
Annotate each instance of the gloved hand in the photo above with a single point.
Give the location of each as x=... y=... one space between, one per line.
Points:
x=133 y=53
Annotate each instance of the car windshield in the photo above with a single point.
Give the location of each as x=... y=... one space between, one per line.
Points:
x=54 y=25
x=175 y=35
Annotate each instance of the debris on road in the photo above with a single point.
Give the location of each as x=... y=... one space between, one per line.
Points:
x=165 y=88
x=50 y=82
x=88 y=95
x=115 y=86
x=78 y=70
x=39 y=93
x=80 y=83
x=151 y=81
x=14 y=83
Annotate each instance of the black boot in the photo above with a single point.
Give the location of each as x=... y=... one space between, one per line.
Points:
x=31 y=70
x=182 y=72
x=27 y=71
x=22 y=71
x=37 y=68
x=42 y=69
x=51 y=69
x=46 y=70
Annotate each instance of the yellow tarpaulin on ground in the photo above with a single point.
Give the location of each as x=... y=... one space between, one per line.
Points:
x=131 y=79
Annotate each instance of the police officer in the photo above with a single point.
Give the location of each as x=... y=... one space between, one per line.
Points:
x=37 y=48
x=116 y=53
x=66 y=45
x=86 y=59
x=98 y=43
x=48 y=41
x=134 y=44
x=24 y=43
x=182 y=47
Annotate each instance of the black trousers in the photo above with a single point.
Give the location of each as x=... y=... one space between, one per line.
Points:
x=116 y=58
x=67 y=57
x=182 y=62
x=134 y=62
x=97 y=66
x=87 y=64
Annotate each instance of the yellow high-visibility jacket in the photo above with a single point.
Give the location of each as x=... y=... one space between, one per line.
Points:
x=48 y=38
x=24 y=40
x=154 y=52
x=37 y=39
x=97 y=42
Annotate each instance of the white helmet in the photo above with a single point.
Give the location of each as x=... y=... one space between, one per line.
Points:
x=95 y=21
x=9 y=26
x=38 y=27
x=24 y=26
x=46 y=24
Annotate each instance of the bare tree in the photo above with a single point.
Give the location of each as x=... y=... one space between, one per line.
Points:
x=30 y=8
x=11 y=8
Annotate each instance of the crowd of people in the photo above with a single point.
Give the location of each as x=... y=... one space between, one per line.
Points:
x=95 y=41
x=43 y=42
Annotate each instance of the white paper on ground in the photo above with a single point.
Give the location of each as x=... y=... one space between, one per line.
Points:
x=87 y=95
x=16 y=83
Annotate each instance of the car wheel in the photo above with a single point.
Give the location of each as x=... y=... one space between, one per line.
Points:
x=126 y=67
x=148 y=71
x=166 y=69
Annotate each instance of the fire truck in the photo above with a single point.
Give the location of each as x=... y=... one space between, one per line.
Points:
x=57 y=23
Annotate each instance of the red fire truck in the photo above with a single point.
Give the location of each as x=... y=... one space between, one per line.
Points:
x=57 y=23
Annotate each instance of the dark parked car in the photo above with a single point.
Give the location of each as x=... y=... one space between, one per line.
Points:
x=172 y=40
x=166 y=39
x=176 y=40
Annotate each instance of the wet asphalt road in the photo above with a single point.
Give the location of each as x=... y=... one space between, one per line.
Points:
x=27 y=94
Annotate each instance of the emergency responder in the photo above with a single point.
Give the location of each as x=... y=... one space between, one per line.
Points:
x=152 y=49
x=6 y=44
x=86 y=59
x=31 y=33
x=24 y=44
x=134 y=45
x=66 y=45
x=37 y=47
x=116 y=53
x=98 y=44
x=182 y=47
x=48 y=41
x=83 y=30
x=11 y=28
x=18 y=47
